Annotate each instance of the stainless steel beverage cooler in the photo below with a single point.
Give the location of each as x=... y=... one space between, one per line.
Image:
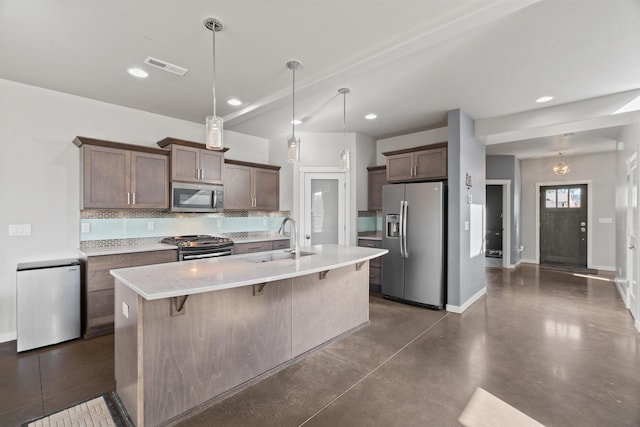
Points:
x=48 y=302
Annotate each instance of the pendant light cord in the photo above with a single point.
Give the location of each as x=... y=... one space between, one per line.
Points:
x=344 y=119
x=293 y=108
x=214 y=69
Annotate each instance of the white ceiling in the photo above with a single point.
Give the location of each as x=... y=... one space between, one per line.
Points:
x=409 y=61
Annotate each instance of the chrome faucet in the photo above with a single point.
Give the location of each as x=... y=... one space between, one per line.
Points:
x=294 y=235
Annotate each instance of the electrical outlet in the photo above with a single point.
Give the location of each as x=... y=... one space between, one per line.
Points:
x=218 y=223
x=85 y=227
x=264 y=222
x=125 y=309
x=151 y=225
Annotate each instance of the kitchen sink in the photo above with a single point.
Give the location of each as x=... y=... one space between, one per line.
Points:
x=277 y=256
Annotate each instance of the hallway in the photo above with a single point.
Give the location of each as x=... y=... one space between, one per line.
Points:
x=560 y=348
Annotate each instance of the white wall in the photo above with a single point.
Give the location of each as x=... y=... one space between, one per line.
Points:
x=599 y=169
x=39 y=170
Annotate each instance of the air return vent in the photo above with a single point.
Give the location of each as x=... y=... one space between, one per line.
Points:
x=166 y=66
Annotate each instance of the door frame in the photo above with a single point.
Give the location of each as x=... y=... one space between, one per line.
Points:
x=506 y=225
x=331 y=172
x=589 y=184
x=632 y=265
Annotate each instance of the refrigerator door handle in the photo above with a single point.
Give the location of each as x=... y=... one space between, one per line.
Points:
x=401 y=236
x=404 y=228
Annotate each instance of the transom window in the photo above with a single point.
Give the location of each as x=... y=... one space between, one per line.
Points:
x=562 y=198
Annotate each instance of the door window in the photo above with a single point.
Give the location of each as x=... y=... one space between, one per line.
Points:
x=563 y=198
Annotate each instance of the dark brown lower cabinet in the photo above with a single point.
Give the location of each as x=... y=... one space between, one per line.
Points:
x=375 y=265
x=269 y=245
x=97 y=286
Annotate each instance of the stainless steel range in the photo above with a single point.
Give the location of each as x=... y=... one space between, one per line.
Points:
x=200 y=246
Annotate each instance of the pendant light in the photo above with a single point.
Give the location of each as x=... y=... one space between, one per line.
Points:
x=561 y=168
x=345 y=161
x=214 y=123
x=293 y=143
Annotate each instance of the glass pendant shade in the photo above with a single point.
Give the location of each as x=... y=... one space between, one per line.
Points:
x=345 y=160
x=293 y=149
x=214 y=133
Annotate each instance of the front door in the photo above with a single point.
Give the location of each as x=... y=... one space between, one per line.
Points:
x=563 y=225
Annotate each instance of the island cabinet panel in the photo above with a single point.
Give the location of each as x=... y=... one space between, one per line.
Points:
x=236 y=336
x=326 y=308
x=97 y=286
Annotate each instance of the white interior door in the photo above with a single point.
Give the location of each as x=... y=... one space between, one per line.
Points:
x=632 y=236
x=323 y=218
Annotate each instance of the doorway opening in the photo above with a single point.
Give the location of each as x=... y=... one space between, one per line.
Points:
x=497 y=242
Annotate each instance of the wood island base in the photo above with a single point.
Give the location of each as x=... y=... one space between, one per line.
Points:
x=170 y=363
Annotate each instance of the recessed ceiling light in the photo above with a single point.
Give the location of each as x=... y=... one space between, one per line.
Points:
x=138 y=72
x=234 y=101
x=544 y=99
x=296 y=121
x=371 y=116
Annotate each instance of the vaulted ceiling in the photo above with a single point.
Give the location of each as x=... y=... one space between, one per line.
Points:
x=408 y=61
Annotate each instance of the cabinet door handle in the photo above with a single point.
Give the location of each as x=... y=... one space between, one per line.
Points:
x=128 y=198
x=133 y=198
x=201 y=174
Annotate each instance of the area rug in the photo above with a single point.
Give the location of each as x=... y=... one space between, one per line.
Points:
x=486 y=410
x=99 y=412
x=569 y=268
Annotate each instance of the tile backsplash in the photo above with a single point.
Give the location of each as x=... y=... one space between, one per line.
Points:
x=369 y=221
x=127 y=224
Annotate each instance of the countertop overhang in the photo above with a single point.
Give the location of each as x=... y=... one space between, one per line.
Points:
x=176 y=279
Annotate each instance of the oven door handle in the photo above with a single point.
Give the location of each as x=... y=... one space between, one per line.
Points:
x=187 y=257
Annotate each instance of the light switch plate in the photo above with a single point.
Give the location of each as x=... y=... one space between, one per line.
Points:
x=19 y=229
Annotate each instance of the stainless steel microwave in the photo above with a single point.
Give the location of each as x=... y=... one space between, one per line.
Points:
x=196 y=197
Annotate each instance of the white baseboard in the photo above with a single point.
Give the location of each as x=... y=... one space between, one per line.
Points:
x=603 y=267
x=9 y=336
x=467 y=303
x=529 y=261
x=621 y=286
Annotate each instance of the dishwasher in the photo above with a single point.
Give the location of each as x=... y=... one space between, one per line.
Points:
x=48 y=303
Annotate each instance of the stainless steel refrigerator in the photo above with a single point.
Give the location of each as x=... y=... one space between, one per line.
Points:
x=414 y=216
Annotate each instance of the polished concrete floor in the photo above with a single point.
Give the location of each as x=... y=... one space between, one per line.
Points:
x=562 y=349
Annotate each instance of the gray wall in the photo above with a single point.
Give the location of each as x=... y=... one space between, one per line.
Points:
x=466 y=155
x=508 y=168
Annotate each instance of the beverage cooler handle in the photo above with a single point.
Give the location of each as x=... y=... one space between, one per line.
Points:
x=401 y=237
x=404 y=228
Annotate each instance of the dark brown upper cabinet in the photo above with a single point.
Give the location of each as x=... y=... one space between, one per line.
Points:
x=191 y=162
x=424 y=163
x=251 y=186
x=122 y=176
x=377 y=178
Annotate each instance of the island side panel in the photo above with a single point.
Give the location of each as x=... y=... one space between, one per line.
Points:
x=224 y=339
x=128 y=353
x=325 y=308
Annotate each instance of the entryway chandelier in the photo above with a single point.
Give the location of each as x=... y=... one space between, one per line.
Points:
x=561 y=168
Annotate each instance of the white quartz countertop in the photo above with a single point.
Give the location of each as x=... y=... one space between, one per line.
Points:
x=212 y=274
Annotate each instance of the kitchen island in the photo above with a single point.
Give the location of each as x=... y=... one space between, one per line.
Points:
x=189 y=333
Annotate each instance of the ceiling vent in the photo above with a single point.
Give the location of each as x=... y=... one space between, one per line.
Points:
x=166 y=66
